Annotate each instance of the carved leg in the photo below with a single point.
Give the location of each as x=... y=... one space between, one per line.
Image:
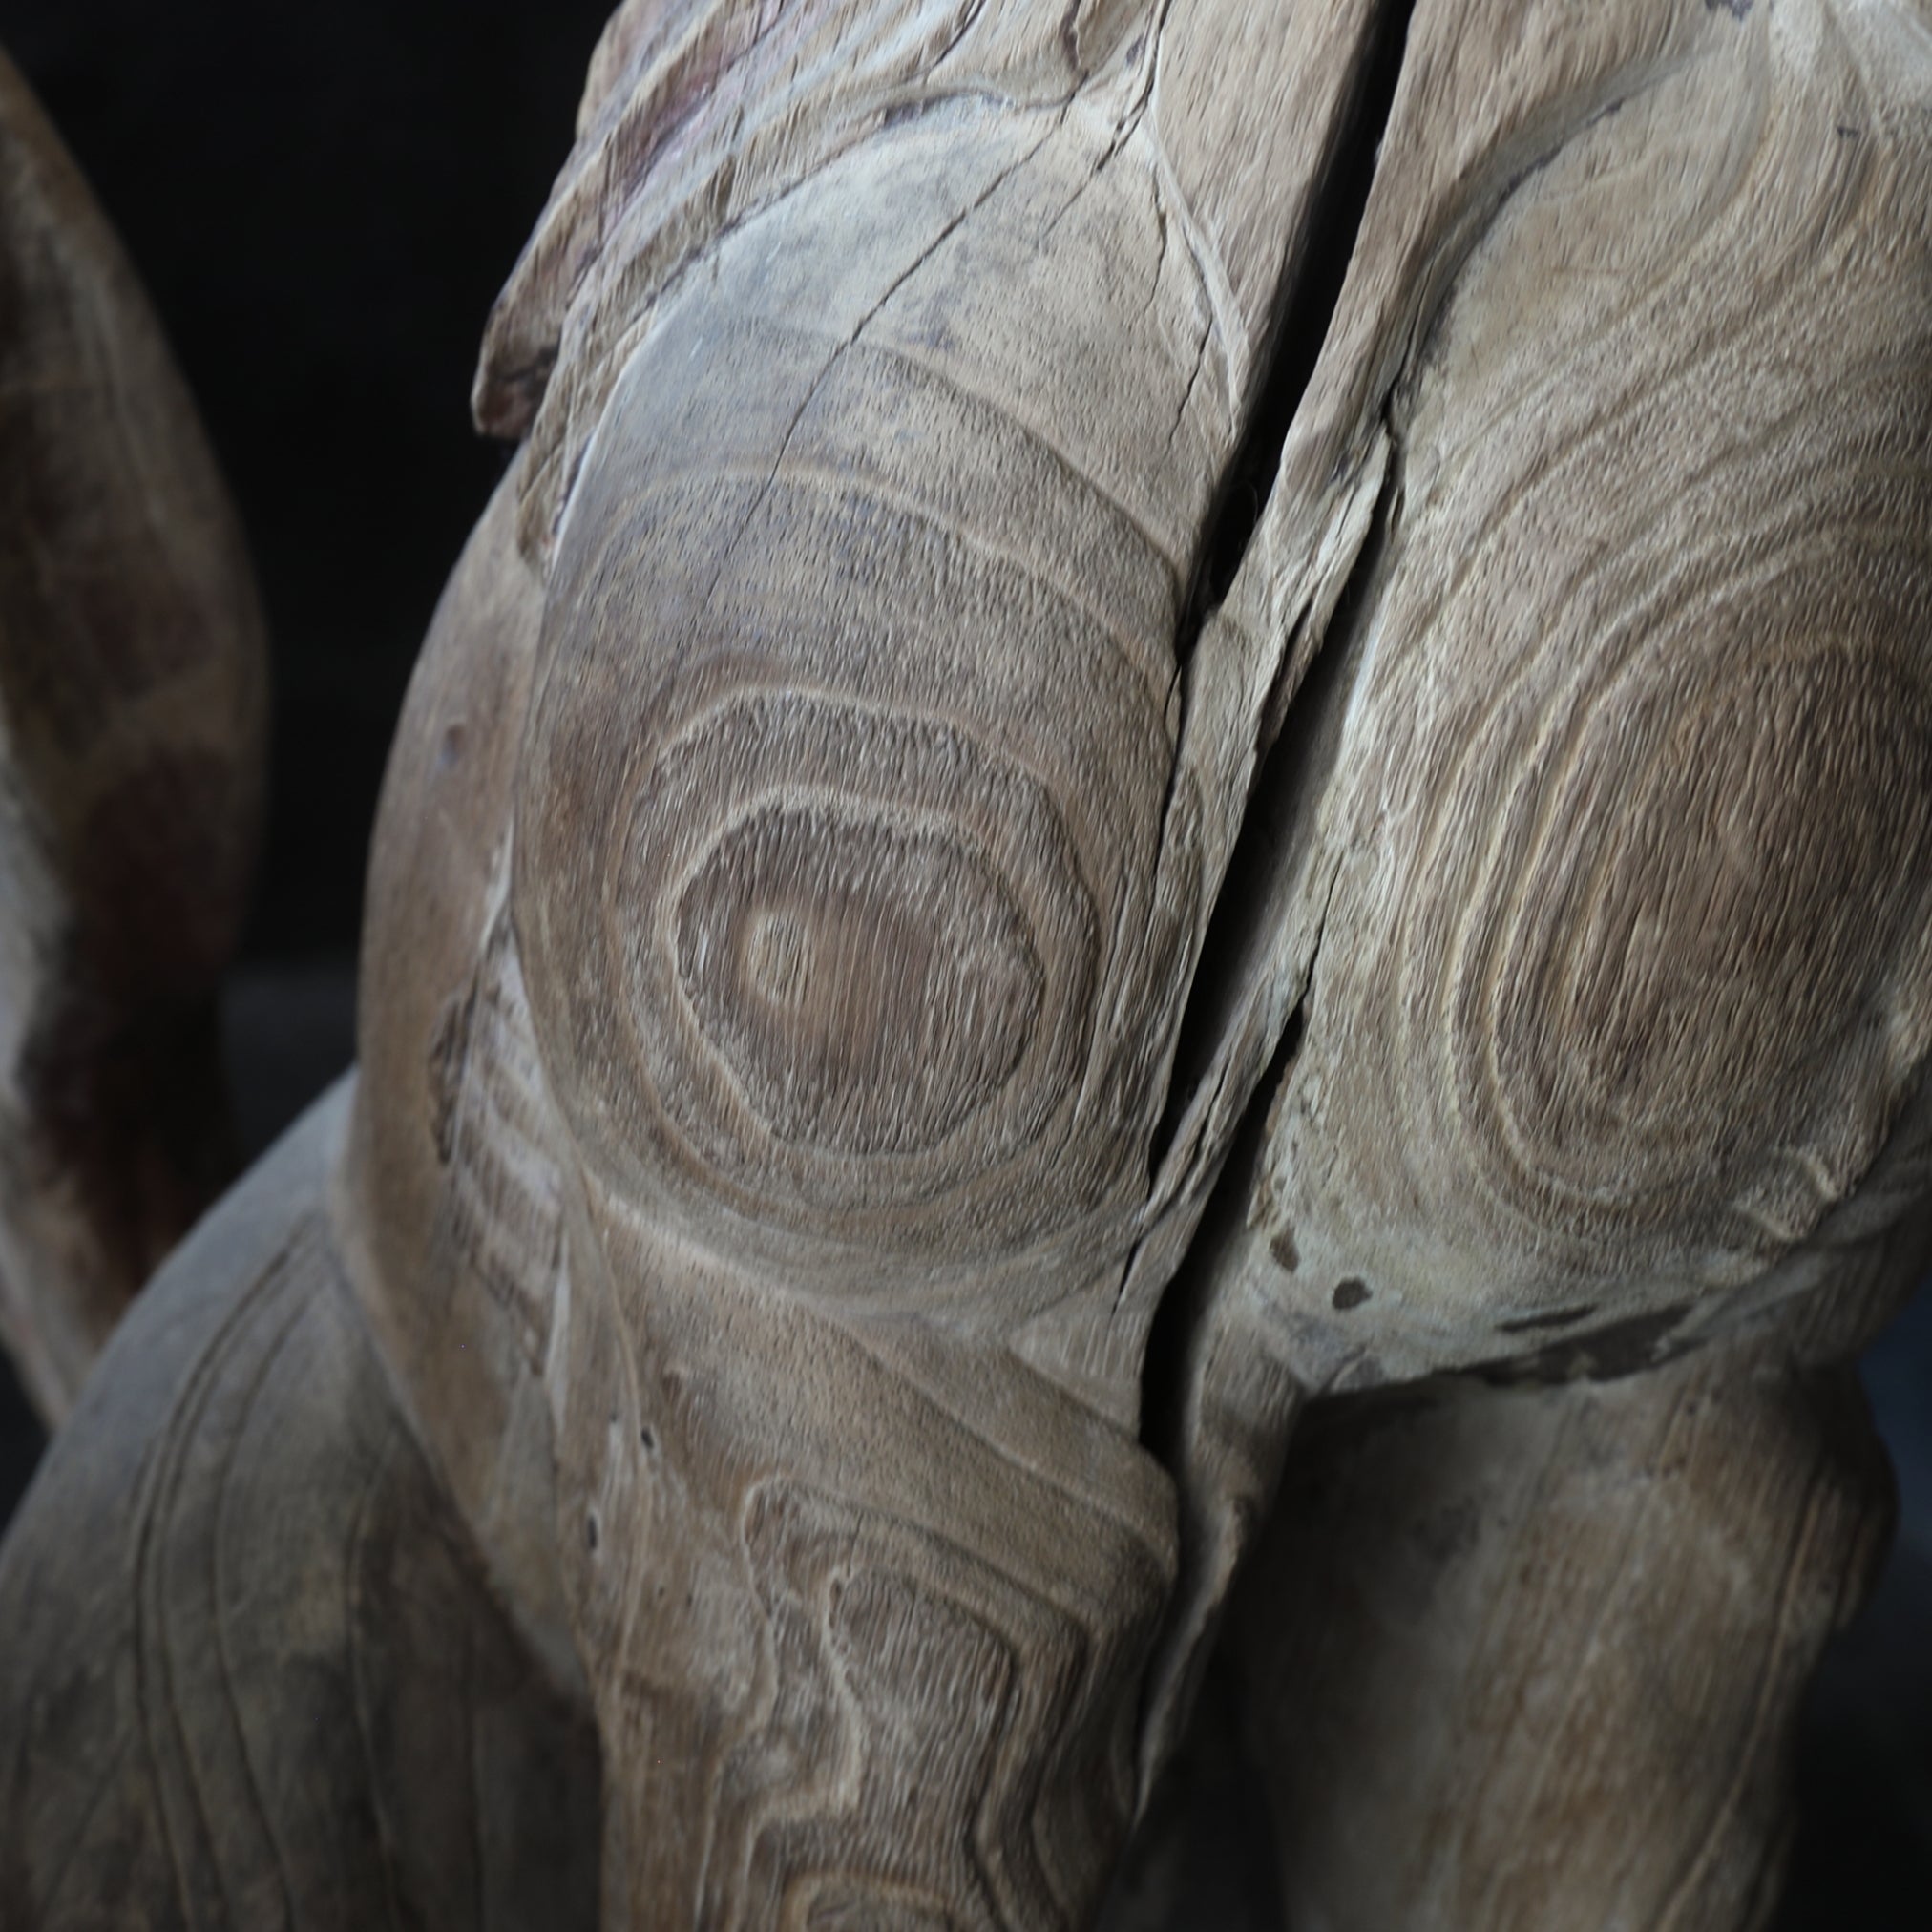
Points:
x=250 y=1676
x=1529 y=1660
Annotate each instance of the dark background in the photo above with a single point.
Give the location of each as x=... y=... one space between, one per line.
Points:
x=323 y=202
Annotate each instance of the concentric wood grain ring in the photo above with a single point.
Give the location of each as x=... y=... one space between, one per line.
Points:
x=835 y=935
x=844 y=800
x=1626 y=979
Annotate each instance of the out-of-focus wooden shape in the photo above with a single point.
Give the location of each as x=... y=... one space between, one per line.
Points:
x=252 y=1675
x=132 y=728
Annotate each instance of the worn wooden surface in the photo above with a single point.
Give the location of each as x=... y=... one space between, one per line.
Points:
x=1625 y=857
x=787 y=1180
x=1531 y=1659
x=836 y=830
x=252 y=1677
x=132 y=725
x=1176 y=709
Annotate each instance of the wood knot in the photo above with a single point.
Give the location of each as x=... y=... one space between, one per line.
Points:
x=871 y=987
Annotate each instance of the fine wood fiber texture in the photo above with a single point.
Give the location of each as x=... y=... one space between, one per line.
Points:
x=804 y=1280
x=252 y=1678
x=1590 y=1060
x=911 y=848
x=1177 y=709
x=1627 y=846
x=132 y=733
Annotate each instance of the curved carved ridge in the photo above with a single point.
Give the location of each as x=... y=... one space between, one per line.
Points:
x=501 y=1221
x=1627 y=793
x=448 y=1199
x=249 y=1639
x=435 y=893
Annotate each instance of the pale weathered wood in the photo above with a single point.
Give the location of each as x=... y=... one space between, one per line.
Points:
x=132 y=730
x=1594 y=859
x=251 y=1675
x=786 y=1179
x=1629 y=844
x=1176 y=708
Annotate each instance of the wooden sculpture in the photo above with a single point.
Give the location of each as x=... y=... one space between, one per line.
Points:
x=1192 y=756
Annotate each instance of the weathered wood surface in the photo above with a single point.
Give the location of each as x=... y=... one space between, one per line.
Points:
x=132 y=732
x=251 y=1676
x=1530 y=1659
x=1624 y=855
x=1177 y=709
x=786 y=1176
x=1551 y=868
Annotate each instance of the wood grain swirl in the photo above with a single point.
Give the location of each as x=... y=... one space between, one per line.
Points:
x=851 y=1801
x=1630 y=951
x=844 y=1678
x=863 y=690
